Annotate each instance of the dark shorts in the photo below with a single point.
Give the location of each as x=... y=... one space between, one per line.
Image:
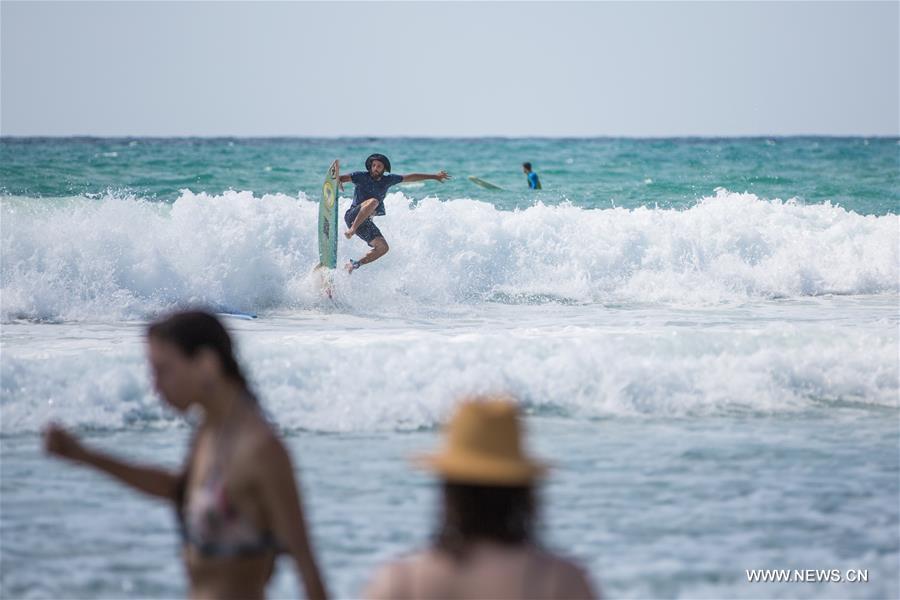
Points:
x=366 y=230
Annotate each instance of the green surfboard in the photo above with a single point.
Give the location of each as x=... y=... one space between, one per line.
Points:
x=328 y=218
x=484 y=184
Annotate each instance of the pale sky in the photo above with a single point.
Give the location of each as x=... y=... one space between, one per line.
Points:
x=449 y=68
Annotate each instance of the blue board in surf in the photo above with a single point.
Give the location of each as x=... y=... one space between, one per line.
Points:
x=237 y=314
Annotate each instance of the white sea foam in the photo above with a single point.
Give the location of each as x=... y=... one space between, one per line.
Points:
x=347 y=373
x=124 y=258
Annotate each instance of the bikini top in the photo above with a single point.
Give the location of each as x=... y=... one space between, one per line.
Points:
x=209 y=521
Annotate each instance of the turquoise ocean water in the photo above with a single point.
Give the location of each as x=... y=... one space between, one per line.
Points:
x=702 y=332
x=859 y=174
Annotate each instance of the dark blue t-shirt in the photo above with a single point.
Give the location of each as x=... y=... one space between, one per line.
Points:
x=366 y=188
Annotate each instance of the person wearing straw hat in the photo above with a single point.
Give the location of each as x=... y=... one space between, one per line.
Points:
x=484 y=546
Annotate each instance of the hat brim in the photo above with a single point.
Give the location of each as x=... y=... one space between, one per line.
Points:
x=458 y=467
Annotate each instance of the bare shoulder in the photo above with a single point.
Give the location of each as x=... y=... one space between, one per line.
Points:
x=383 y=584
x=386 y=583
x=394 y=579
x=570 y=579
x=260 y=445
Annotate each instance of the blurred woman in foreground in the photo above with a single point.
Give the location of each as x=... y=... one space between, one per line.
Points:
x=236 y=499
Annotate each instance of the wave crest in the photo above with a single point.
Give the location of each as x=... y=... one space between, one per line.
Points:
x=127 y=258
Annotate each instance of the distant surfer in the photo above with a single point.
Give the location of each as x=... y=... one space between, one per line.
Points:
x=534 y=181
x=368 y=201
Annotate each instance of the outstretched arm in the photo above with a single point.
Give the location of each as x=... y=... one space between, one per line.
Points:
x=440 y=176
x=282 y=500
x=150 y=480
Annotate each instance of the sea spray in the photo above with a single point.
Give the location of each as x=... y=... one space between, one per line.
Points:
x=127 y=258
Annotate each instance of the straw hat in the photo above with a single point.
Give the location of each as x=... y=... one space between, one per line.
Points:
x=483 y=446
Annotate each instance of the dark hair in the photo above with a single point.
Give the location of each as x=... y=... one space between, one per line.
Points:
x=192 y=330
x=504 y=514
x=527 y=165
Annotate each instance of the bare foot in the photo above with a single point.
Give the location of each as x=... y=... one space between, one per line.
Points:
x=349 y=233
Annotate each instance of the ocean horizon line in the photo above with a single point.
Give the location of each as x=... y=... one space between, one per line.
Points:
x=90 y=137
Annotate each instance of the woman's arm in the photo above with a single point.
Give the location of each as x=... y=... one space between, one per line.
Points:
x=150 y=480
x=282 y=501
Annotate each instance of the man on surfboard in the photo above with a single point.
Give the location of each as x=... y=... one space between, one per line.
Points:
x=368 y=201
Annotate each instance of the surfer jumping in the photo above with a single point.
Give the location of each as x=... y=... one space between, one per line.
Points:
x=368 y=201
